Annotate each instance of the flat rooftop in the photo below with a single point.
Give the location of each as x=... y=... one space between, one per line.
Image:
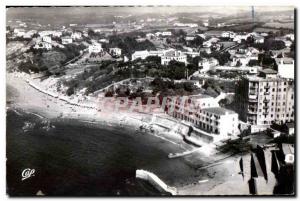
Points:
x=218 y=110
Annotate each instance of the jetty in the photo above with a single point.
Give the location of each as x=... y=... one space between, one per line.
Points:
x=155 y=181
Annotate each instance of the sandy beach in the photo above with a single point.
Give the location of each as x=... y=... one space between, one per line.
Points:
x=221 y=175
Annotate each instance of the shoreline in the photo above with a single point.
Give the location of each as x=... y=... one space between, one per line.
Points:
x=214 y=180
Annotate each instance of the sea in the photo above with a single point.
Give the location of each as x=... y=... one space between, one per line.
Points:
x=74 y=158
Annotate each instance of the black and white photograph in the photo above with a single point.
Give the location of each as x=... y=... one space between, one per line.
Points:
x=150 y=101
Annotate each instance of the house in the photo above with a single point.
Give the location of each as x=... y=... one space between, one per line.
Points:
x=45 y=33
x=57 y=34
x=205 y=64
x=95 y=48
x=239 y=60
x=115 y=51
x=30 y=34
x=43 y=45
x=205 y=49
x=175 y=55
x=66 y=40
x=166 y=33
x=286 y=67
x=201 y=35
x=140 y=54
x=189 y=37
x=46 y=39
x=259 y=39
x=192 y=54
x=76 y=35
x=191 y=25
x=239 y=37
x=104 y=40
x=206 y=24
x=228 y=34
x=150 y=36
x=290 y=36
x=19 y=32
x=140 y=39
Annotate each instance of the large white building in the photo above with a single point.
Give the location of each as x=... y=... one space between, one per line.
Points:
x=205 y=114
x=19 y=32
x=205 y=64
x=95 y=48
x=42 y=45
x=115 y=51
x=76 y=35
x=265 y=98
x=286 y=67
x=174 y=55
x=47 y=39
x=66 y=40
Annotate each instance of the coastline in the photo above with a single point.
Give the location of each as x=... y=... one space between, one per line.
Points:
x=215 y=179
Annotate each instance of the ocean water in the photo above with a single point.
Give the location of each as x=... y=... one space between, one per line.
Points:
x=76 y=159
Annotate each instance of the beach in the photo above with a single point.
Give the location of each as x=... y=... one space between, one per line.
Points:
x=211 y=173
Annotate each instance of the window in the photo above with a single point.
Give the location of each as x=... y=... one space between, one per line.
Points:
x=284 y=89
x=273 y=89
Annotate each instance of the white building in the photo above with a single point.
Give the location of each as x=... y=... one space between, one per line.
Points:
x=205 y=113
x=19 y=32
x=175 y=55
x=30 y=34
x=150 y=36
x=57 y=33
x=76 y=35
x=47 y=39
x=43 y=45
x=189 y=38
x=265 y=98
x=104 y=40
x=166 y=33
x=95 y=48
x=192 y=25
x=290 y=36
x=259 y=39
x=228 y=34
x=238 y=38
x=66 y=40
x=115 y=51
x=286 y=67
x=205 y=64
x=140 y=54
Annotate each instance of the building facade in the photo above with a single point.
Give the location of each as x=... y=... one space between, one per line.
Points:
x=265 y=99
x=204 y=113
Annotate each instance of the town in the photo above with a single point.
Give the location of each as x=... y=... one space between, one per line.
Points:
x=219 y=80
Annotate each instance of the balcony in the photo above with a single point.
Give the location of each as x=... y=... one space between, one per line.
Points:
x=266 y=107
x=252 y=111
x=267 y=87
x=253 y=88
x=265 y=113
x=266 y=100
x=252 y=96
x=267 y=93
